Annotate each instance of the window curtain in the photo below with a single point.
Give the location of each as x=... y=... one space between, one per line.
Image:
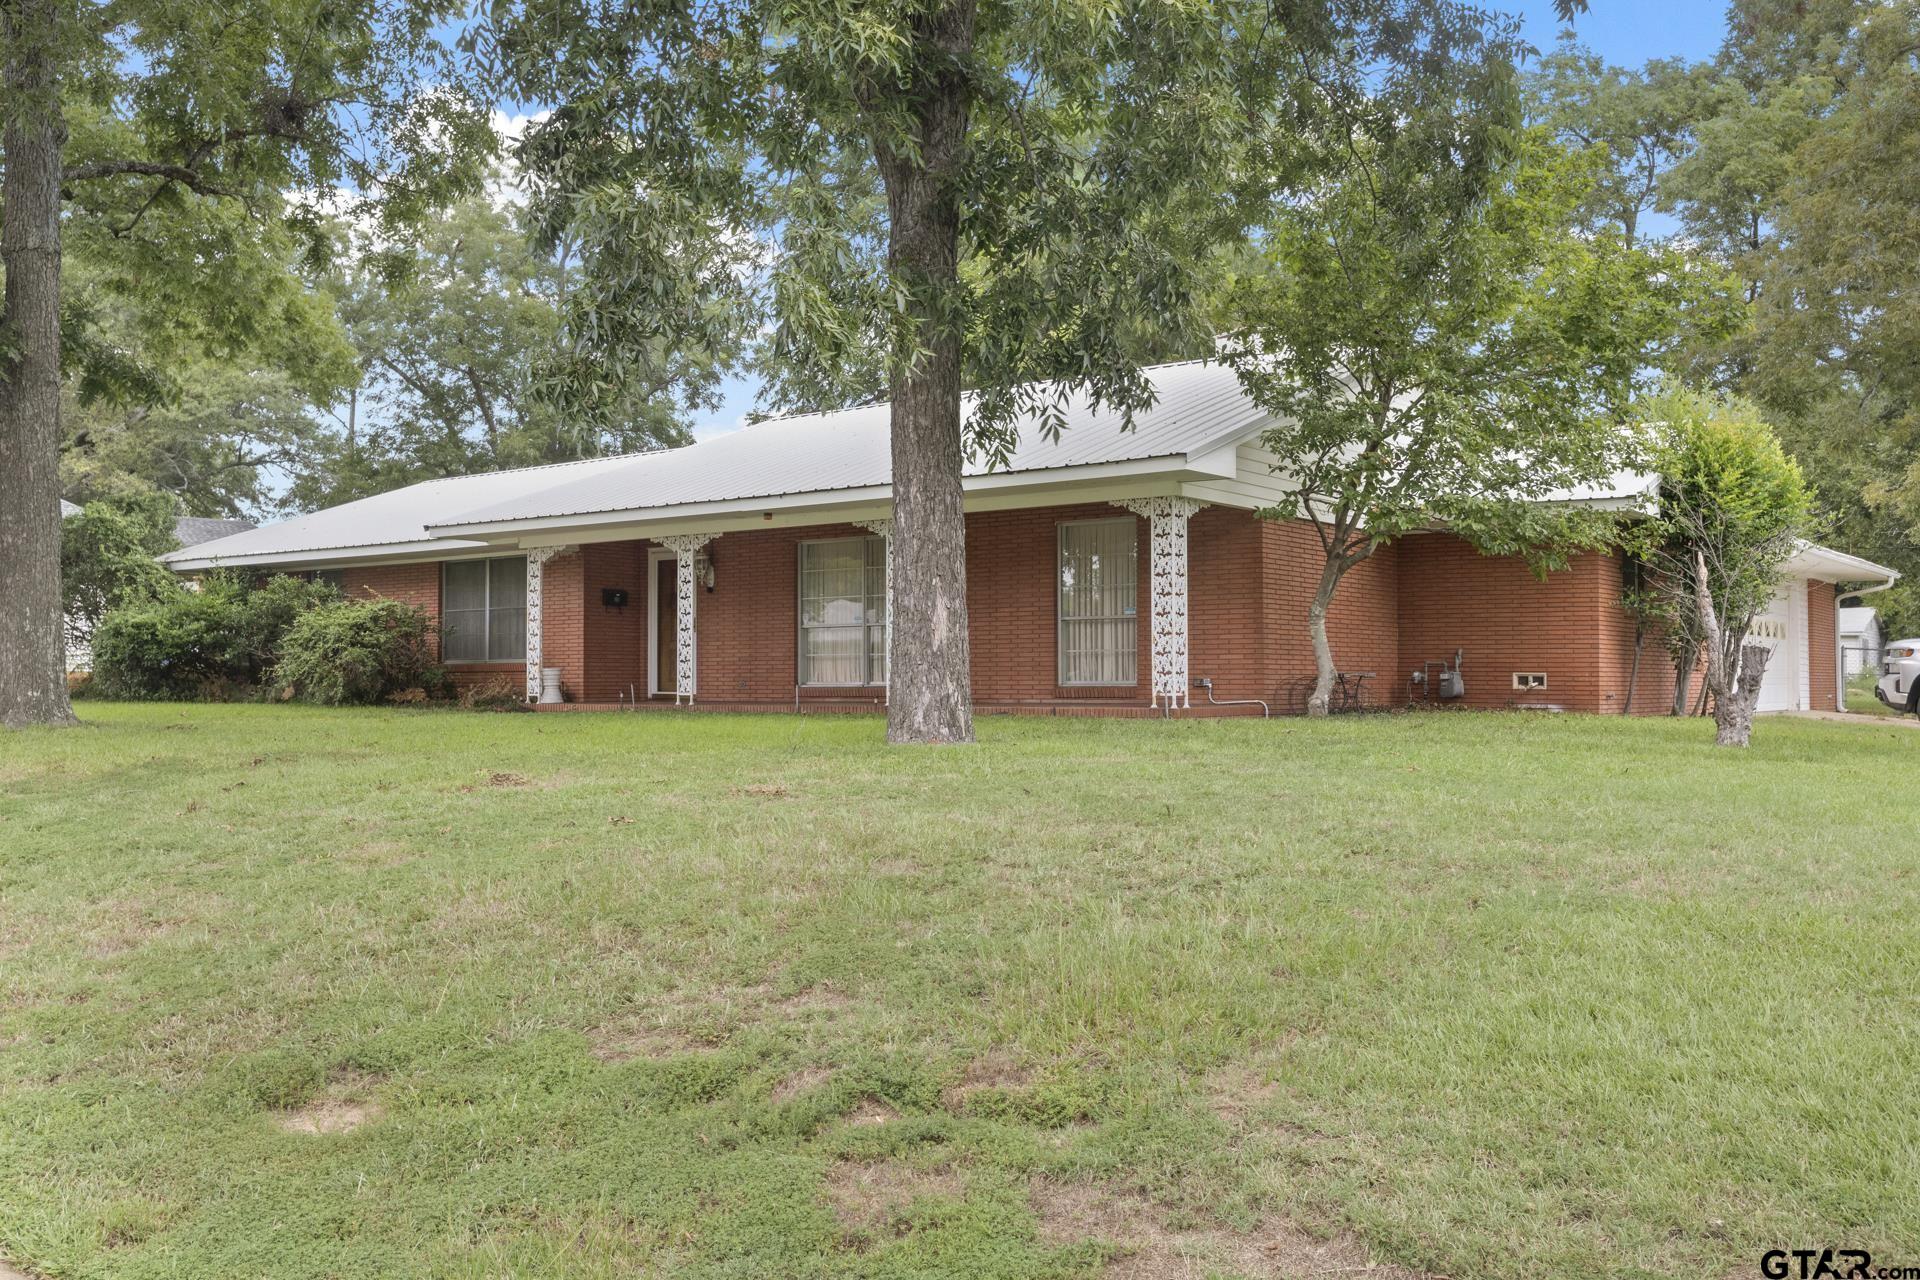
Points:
x=1099 y=586
x=843 y=612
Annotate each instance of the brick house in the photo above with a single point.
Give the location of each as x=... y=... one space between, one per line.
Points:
x=1108 y=573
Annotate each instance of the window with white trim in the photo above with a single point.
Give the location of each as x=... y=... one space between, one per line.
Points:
x=1099 y=581
x=843 y=612
x=483 y=610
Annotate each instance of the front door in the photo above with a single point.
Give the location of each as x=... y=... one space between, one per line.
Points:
x=666 y=615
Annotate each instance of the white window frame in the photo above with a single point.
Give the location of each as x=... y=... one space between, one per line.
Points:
x=487 y=613
x=800 y=618
x=1060 y=618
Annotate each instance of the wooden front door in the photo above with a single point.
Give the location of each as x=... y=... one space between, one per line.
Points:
x=666 y=588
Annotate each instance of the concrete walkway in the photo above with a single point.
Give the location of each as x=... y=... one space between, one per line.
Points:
x=1841 y=717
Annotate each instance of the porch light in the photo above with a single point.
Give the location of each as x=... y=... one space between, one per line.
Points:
x=703 y=571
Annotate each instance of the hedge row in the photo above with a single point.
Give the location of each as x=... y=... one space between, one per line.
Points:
x=284 y=637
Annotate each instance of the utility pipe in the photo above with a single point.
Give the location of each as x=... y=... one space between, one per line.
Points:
x=1207 y=684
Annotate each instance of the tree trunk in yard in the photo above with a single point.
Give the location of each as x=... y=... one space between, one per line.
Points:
x=1733 y=715
x=1319 y=702
x=929 y=698
x=1633 y=672
x=33 y=685
x=1682 y=681
x=1735 y=692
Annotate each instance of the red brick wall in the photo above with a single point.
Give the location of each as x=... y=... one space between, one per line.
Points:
x=419 y=585
x=1362 y=626
x=563 y=622
x=1570 y=625
x=1653 y=686
x=1823 y=634
x=1250 y=581
x=613 y=641
x=1013 y=606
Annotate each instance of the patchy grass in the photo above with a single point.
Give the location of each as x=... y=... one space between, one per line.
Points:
x=292 y=992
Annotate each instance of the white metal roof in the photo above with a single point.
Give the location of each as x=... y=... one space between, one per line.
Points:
x=384 y=525
x=1199 y=405
x=843 y=455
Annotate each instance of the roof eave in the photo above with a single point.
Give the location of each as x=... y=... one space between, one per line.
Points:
x=322 y=556
x=1183 y=467
x=1839 y=567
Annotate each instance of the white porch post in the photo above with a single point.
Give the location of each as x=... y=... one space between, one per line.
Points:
x=537 y=558
x=1167 y=519
x=885 y=529
x=685 y=546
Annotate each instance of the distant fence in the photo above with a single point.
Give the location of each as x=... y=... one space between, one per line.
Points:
x=1857 y=658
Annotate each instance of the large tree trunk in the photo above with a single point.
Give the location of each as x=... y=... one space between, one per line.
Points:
x=33 y=686
x=1733 y=715
x=1319 y=701
x=929 y=697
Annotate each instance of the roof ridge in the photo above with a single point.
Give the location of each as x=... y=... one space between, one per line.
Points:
x=538 y=466
x=875 y=404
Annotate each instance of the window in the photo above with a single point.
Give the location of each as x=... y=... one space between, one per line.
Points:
x=843 y=611
x=1099 y=581
x=335 y=578
x=483 y=610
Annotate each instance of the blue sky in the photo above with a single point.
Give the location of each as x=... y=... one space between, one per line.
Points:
x=1625 y=32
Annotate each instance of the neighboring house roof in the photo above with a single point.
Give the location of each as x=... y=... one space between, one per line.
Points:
x=190 y=531
x=1827 y=565
x=187 y=530
x=839 y=457
x=1859 y=620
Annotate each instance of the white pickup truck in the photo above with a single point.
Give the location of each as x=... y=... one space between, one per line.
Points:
x=1899 y=685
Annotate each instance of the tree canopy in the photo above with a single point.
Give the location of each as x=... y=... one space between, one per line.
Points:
x=188 y=157
x=1733 y=508
x=1790 y=160
x=1440 y=346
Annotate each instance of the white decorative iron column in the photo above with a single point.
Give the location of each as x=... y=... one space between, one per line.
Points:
x=885 y=529
x=1167 y=519
x=537 y=558
x=685 y=546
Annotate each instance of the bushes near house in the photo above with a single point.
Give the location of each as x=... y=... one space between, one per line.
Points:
x=236 y=638
x=359 y=651
x=221 y=641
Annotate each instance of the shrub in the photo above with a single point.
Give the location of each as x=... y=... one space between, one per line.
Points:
x=217 y=642
x=173 y=648
x=357 y=652
x=267 y=612
x=107 y=559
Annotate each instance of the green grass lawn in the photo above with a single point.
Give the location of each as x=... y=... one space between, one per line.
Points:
x=289 y=992
x=1860 y=699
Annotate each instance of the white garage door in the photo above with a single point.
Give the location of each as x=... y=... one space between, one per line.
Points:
x=1783 y=628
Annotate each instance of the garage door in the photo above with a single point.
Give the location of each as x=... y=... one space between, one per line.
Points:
x=1780 y=628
